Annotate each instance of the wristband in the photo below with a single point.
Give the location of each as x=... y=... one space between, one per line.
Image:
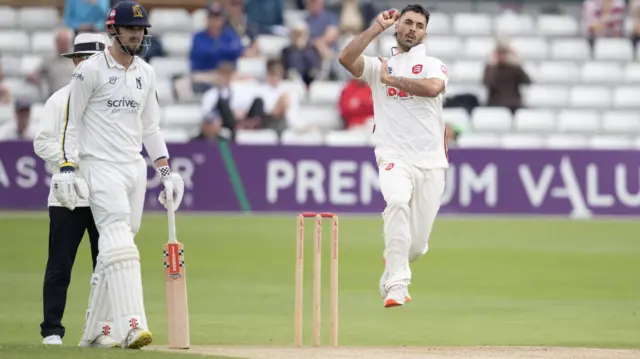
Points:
x=379 y=23
x=165 y=171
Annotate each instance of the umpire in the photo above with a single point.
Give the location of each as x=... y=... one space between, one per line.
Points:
x=66 y=227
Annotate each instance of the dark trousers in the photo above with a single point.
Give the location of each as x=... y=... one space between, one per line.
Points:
x=66 y=229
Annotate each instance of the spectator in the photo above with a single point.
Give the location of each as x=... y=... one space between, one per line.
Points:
x=155 y=49
x=211 y=129
x=351 y=20
x=356 y=104
x=246 y=29
x=323 y=34
x=503 y=77
x=301 y=59
x=232 y=109
x=6 y=96
x=267 y=14
x=634 y=10
x=85 y=15
x=55 y=71
x=279 y=104
x=212 y=46
x=603 y=18
x=19 y=129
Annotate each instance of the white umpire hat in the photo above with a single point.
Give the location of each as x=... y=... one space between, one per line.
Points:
x=87 y=43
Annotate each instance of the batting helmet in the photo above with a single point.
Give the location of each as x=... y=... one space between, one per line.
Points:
x=128 y=14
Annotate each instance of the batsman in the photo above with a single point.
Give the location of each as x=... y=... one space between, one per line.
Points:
x=111 y=112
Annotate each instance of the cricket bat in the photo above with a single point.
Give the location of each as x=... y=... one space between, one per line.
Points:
x=176 y=286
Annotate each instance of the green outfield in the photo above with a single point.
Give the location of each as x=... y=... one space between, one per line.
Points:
x=484 y=282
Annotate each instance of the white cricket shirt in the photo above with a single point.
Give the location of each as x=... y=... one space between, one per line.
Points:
x=110 y=110
x=46 y=144
x=406 y=126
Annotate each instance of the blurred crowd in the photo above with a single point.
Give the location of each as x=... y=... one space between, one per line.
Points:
x=231 y=33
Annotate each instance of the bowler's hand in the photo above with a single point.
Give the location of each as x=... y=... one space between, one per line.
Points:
x=385 y=77
x=387 y=18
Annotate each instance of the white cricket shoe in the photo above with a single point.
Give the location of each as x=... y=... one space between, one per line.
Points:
x=384 y=292
x=137 y=338
x=52 y=340
x=101 y=341
x=397 y=296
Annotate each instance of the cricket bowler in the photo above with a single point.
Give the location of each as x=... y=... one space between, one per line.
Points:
x=112 y=111
x=409 y=139
x=66 y=227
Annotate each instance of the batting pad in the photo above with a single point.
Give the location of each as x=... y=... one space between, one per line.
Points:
x=99 y=316
x=124 y=280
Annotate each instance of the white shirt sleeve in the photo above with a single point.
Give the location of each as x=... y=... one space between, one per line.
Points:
x=437 y=69
x=152 y=138
x=46 y=144
x=81 y=87
x=209 y=101
x=371 y=73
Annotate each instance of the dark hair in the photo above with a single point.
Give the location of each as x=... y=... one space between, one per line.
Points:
x=417 y=9
x=271 y=63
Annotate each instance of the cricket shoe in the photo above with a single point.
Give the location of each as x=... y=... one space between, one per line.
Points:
x=137 y=338
x=398 y=296
x=52 y=340
x=384 y=292
x=101 y=341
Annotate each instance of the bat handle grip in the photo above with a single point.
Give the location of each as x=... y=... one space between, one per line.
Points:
x=172 y=220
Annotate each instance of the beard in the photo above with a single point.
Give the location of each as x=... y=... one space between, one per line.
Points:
x=406 y=44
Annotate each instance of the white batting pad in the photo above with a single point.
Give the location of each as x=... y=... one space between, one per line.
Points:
x=99 y=317
x=122 y=266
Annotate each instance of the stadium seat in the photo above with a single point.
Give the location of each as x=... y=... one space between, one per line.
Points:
x=165 y=91
x=521 y=141
x=271 y=46
x=177 y=44
x=7 y=113
x=557 y=25
x=512 y=24
x=175 y=135
x=610 y=142
x=558 y=72
x=632 y=72
x=546 y=96
x=38 y=18
x=444 y=47
x=325 y=92
x=479 y=47
x=468 y=71
x=43 y=42
x=293 y=138
x=322 y=116
x=491 y=119
x=602 y=72
x=386 y=44
x=22 y=89
x=535 y=120
x=479 y=140
x=618 y=49
x=590 y=97
x=636 y=143
x=166 y=20
x=472 y=24
x=456 y=116
x=626 y=97
x=166 y=67
x=346 y=138
x=14 y=41
x=292 y=17
x=530 y=48
x=36 y=113
x=566 y=141
x=439 y=24
x=257 y=137
x=9 y=17
x=623 y=122
x=578 y=121
x=11 y=65
x=181 y=116
x=29 y=63
x=255 y=67
x=199 y=20
x=576 y=49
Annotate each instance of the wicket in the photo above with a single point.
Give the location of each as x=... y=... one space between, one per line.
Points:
x=317 y=283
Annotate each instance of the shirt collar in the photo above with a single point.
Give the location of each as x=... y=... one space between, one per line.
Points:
x=111 y=62
x=418 y=49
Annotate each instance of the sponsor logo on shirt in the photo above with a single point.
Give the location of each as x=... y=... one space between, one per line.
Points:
x=77 y=76
x=123 y=105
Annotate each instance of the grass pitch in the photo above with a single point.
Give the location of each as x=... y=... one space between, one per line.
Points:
x=483 y=282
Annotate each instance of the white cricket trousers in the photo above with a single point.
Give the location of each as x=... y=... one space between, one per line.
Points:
x=117 y=194
x=413 y=197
